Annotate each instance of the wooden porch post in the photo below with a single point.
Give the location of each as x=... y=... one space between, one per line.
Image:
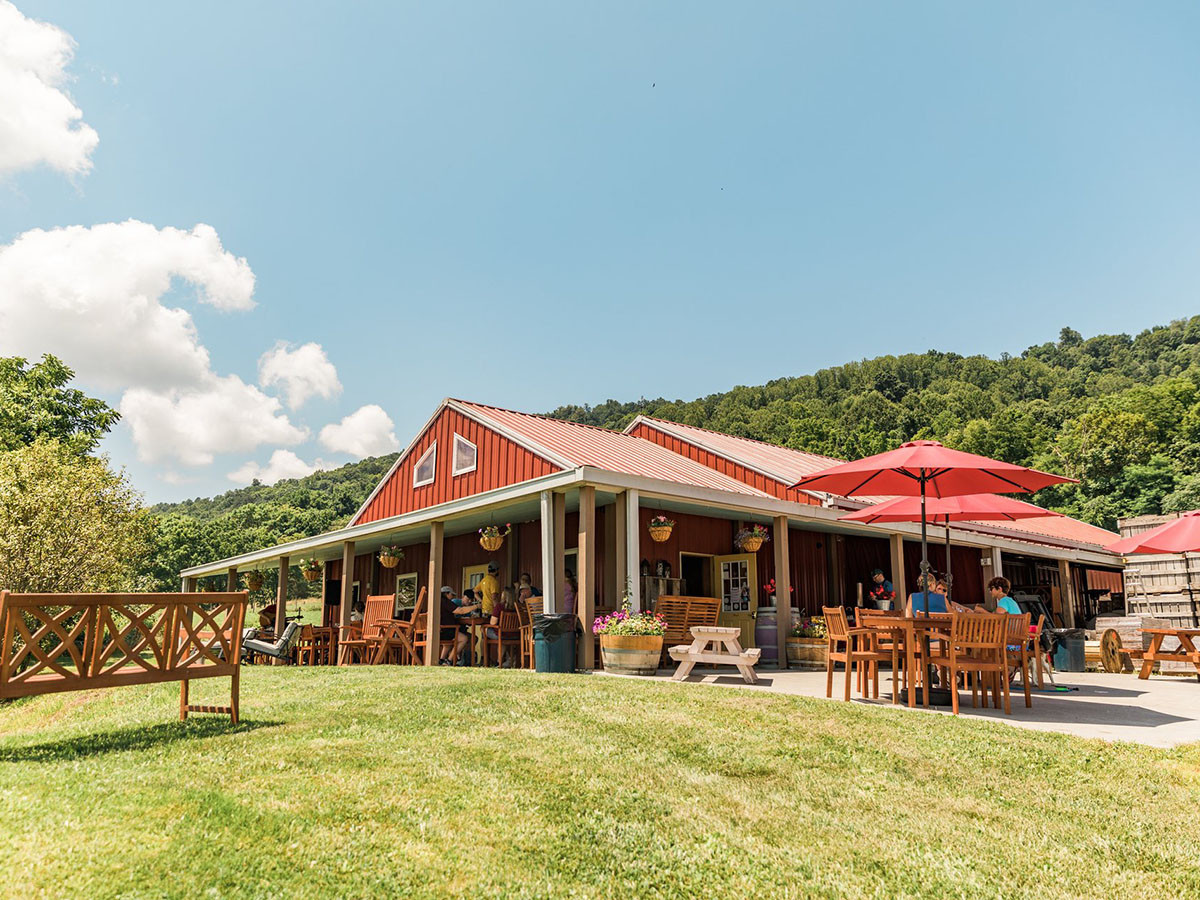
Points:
x=433 y=621
x=783 y=587
x=633 y=551
x=1066 y=589
x=585 y=598
x=347 y=597
x=896 y=542
x=608 y=578
x=549 y=591
x=281 y=596
x=189 y=585
x=231 y=579
x=620 y=551
x=560 y=547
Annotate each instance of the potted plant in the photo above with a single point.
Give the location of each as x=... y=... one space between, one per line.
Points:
x=254 y=581
x=660 y=528
x=310 y=569
x=491 y=537
x=807 y=644
x=390 y=556
x=630 y=642
x=750 y=539
x=881 y=596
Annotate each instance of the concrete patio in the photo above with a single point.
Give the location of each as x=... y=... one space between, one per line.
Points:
x=1163 y=711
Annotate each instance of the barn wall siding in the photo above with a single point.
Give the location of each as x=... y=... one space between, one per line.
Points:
x=500 y=463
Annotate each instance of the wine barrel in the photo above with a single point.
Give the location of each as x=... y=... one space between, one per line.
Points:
x=766 y=635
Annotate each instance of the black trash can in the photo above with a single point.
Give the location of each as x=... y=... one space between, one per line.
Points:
x=1068 y=649
x=554 y=642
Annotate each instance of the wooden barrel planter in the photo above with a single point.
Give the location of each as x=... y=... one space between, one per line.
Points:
x=751 y=544
x=631 y=654
x=389 y=562
x=491 y=543
x=659 y=533
x=807 y=653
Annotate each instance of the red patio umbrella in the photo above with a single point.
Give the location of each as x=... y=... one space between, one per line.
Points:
x=920 y=468
x=944 y=510
x=1180 y=535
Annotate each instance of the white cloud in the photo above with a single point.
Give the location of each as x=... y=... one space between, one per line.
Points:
x=368 y=431
x=302 y=373
x=39 y=123
x=93 y=296
x=283 y=464
x=226 y=415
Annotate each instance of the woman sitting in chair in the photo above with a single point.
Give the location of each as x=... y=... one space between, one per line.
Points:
x=917 y=599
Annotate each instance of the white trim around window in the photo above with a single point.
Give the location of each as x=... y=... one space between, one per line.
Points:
x=460 y=441
x=429 y=456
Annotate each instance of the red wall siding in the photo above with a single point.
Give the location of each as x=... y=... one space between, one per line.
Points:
x=500 y=463
x=747 y=476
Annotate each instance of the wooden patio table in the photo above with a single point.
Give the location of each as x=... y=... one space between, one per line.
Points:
x=475 y=626
x=913 y=630
x=1186 y=651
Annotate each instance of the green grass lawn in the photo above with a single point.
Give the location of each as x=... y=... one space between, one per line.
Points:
x=374 y=782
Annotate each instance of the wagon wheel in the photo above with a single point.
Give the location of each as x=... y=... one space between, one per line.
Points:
x=1110 y=651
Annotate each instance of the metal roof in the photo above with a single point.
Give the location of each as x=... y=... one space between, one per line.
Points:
x=601 y=448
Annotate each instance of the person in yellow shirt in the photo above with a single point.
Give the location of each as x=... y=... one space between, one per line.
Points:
x=488 y=589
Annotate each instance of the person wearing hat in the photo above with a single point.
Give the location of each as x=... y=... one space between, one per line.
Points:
x=488 y=588
x=881 y=591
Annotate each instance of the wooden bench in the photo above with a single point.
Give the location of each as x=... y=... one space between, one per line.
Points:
x=699 y=651
x=77 y=642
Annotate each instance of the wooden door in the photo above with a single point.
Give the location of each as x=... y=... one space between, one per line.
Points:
x=735 y=581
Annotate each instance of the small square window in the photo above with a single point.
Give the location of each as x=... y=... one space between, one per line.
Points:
x=426 y=467
x=465 y=455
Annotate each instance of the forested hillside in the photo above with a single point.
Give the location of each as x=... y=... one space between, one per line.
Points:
x=1120 y=413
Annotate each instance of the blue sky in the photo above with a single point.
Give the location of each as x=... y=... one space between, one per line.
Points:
x=536 y=204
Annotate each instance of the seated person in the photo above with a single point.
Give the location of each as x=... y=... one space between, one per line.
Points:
x=356 y=612
x=916 y=600
x=504 y=604
x=998 y=588
x=453 y=635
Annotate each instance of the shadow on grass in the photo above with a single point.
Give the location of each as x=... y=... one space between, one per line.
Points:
x=131 y=738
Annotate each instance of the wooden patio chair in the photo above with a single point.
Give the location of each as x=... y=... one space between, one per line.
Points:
x=531 y=607
x=376 y=611
x=850 y=646
x=396 y=639
x=1016 y=651
x=976 y=648
x=306 y=650
x=882 y=646
x=507 y=633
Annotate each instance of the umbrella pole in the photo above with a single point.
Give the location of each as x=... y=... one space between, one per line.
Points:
x=924 y=553
x=949 y=577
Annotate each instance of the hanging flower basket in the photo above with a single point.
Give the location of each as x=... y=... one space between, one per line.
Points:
x=254 y=581
x=310 y=569
x=491 y=537
x=389 y=557
x=749 y=540
x=660 y=528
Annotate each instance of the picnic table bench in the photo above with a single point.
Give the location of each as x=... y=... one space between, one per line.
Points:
x=77 y=642
x=700 y=651
x=1186 y=652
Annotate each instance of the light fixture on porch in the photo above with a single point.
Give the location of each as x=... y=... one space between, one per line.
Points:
x=390 y=556
x=660 y=528
x=491 y=537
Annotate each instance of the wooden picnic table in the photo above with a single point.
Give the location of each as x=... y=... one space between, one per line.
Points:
x=699 y=651
x=1186 y=652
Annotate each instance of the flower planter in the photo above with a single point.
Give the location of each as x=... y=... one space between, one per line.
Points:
x=389 y=562
x=310 y=574
x=631 y=654
x=254 y=581
x=660 y=533
x=751 y=544
x=807 y=653
x=491 y=543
